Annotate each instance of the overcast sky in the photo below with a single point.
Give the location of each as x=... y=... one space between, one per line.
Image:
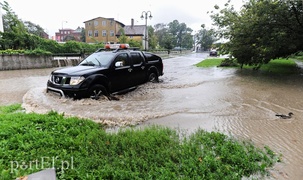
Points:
x=51 y=15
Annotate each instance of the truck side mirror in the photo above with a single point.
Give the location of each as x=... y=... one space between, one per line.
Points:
x=119 y=64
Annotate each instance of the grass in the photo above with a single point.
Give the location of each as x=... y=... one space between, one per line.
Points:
x=276 y=66
x=280 y=66
x=210 y=62
x=82 y=149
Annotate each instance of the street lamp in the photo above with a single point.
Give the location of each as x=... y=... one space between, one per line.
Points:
x=145 y=15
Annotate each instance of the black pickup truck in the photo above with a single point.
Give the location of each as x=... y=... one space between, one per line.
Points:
x=106 y=72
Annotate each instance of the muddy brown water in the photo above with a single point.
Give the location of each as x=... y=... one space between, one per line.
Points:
x=238 y=103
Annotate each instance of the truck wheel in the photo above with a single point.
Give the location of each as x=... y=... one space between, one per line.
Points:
x=96 y=91
x=153 y=77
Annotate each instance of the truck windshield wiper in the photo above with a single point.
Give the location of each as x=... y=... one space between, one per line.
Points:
x=98 y=61
x=88 y=64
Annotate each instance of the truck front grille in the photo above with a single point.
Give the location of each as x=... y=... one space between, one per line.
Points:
x=60 y=79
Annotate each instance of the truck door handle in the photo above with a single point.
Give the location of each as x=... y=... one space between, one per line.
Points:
x=130 y=69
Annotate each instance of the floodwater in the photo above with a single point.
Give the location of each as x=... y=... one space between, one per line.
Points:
x=236 y=102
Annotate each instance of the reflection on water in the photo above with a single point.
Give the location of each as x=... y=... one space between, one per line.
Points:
x=236 y=102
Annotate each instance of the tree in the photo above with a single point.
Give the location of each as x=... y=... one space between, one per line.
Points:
x=34 y=29
x=72 y=46
x=11 y=23
x=82 y=37
x=168 y=41
x=152 y=39
x=206 y=38
x=187 y=41
x=160 y=32
x=133 y=43
x=16 y=34
x=122 y=37
x=262 y=30
x=179 y=35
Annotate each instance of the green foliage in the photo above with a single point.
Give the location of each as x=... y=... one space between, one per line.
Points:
x=90 y=48
x=72 y=47
x=133 y=43
x=81 y=149
x=276 y=66
x=10 y=109
x=173 y=34
x=280 y=66
x=210 y=62
x=261 y=30
x=206 y=38
x=34 y=29
x=181 y=34
x=168 y=41
x=11 y=51
x=11 y=22
x=122 y=37
x=37 y=51
x=50 y=45
x=152 y=38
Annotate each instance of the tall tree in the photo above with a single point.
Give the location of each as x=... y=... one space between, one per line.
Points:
x=152 y=39
x=180 y=31
x=206 y=38
x=11 y=22
x=82 y=38
x=34 y=29
x=168 y=41
x=262 y=30
x=161 y=31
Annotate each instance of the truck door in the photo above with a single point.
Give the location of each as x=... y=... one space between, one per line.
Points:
x=120 y=72
x=139 y=68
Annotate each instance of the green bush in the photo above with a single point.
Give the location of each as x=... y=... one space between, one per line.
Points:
x=81 y=149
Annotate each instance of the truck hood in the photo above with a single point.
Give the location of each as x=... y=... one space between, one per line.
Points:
x=78 y=70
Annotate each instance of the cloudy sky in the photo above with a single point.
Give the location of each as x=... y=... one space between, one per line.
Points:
x=52 y=15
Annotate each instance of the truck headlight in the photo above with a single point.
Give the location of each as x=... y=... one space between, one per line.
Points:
x=76 y=80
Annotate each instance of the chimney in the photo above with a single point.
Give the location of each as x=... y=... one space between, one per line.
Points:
x=132 y=22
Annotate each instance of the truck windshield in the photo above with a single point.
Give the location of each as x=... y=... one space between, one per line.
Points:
x=101 y=59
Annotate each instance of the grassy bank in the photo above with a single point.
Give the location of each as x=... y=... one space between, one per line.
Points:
x=278 y=66
x=82 y=149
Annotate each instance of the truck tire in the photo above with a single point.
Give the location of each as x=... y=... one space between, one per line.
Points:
x=96 y=91
x=153 y=77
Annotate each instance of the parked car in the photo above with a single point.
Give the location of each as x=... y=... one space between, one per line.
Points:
x=213 y=53
x=106 y=72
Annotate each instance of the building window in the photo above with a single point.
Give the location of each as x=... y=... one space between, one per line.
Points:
x=90 y=33
x=96 y=34
x=103 y=23
x=96 y=23
x=104 y=33
x=89 y=23
x=112 y=33
x=111 y=22
x=131 y=37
